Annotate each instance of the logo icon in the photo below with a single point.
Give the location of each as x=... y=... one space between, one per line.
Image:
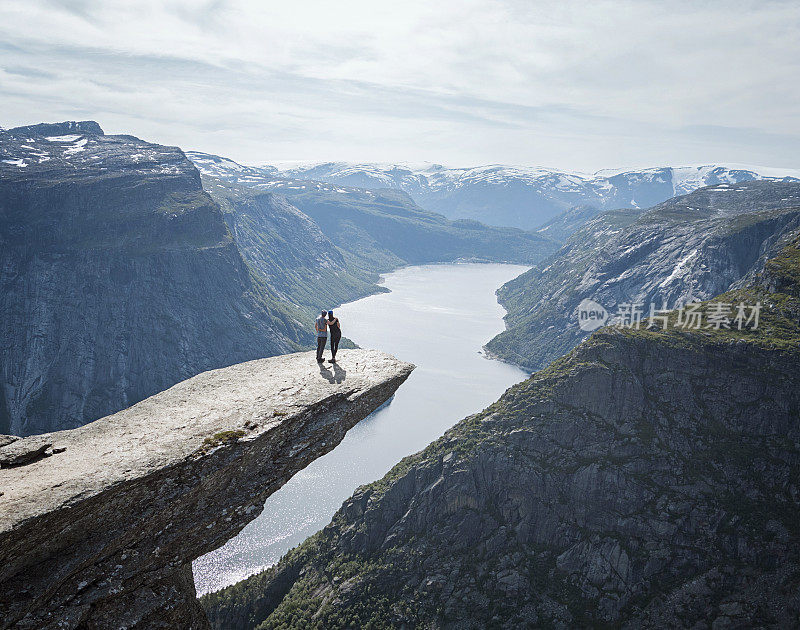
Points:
x=591 y=315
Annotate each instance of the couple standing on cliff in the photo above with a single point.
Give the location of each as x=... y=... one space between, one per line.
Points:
x=323 y=324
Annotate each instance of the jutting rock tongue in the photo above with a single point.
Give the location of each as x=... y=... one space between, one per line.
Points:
x=99 y=524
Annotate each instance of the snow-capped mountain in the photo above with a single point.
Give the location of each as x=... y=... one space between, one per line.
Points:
x=517 y=196
x=381 y=227
x=225 y=168
x=266 y=177
x=528 y=197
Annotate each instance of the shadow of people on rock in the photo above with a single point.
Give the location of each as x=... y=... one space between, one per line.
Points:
x=339 y=373
x=326 y=373
x=336 y=376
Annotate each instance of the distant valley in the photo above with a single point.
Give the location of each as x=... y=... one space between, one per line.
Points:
x=380 y=227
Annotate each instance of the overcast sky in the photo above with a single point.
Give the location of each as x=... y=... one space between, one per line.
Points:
x=573 y=85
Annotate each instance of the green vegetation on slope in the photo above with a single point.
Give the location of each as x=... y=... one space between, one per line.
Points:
x=386 y=228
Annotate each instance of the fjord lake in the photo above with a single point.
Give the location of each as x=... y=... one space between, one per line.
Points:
x=435 y=316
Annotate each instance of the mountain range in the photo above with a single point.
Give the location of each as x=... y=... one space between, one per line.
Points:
x=381 y=228
x=524 y=197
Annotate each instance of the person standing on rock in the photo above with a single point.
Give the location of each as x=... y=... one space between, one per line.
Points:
x=336 y=334
x=321 y=324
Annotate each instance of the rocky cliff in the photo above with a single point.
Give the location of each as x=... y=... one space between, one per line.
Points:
x=299 y=263
x=647 y=479
x=691 y=247
x=118 y=278
x=99 y=524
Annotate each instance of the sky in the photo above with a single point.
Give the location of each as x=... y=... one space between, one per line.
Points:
x=571 y=85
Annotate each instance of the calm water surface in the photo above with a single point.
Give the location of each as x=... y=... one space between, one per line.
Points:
x=437 y=317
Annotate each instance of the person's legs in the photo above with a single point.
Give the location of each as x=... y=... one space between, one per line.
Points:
x=334 y=347
x=320 y=347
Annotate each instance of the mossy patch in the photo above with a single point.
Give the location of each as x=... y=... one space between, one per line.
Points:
x=223 y=437
x=785 y=267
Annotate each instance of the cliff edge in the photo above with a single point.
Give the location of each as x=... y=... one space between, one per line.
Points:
x=99 y=524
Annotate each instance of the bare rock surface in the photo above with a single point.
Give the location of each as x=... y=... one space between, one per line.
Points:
x=7 y=439
x=99 y=528
x=21 y=452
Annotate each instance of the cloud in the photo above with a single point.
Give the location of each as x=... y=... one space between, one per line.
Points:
x=577 y=85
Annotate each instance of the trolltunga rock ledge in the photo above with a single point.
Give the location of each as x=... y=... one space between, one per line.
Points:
x=99 y=524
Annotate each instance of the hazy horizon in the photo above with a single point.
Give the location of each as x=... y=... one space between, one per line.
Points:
x=569 y=86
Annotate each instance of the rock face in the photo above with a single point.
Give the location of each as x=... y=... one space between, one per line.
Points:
x=118 y=278
x=648 y=479
x=562 y=226
x=298 y=262
x=691 y=247
x=99 y=527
